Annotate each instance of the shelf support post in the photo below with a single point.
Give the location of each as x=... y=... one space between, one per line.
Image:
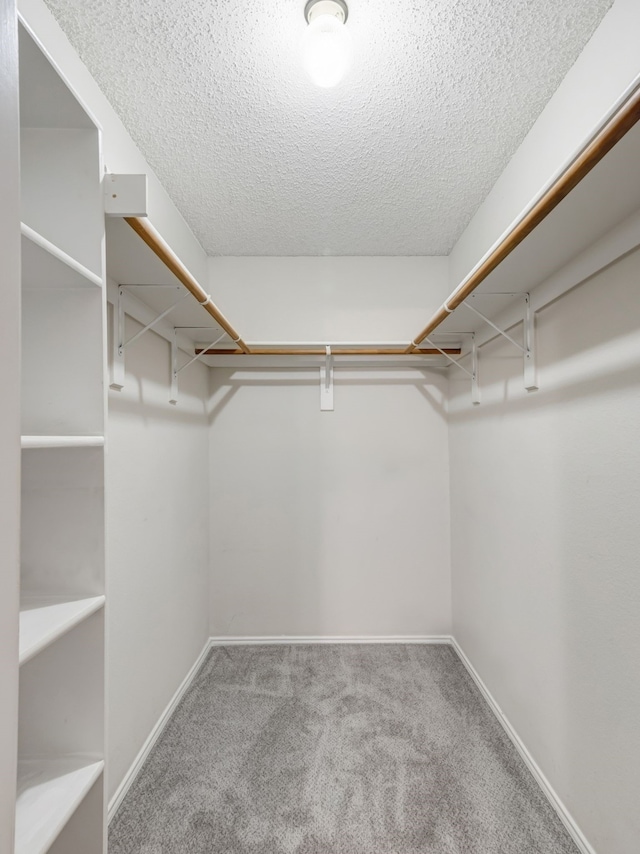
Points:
x=530 y=372
x=475 y=386
x=117 y=368
x=326 y=382
x=528 y=348
x=173 y=394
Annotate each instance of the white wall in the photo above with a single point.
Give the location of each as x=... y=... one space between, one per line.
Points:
x=10 y=420
x=343 y=299
x=546 y=591
x=329 y=523
x=157 y=543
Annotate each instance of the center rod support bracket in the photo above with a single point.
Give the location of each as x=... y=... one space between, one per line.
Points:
x=326 y=382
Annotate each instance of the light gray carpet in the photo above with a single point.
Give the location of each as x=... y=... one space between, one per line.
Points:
x=359 y=749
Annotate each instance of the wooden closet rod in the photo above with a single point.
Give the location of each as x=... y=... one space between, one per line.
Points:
x=147 y=232
x=335 y=351
x=612 y=130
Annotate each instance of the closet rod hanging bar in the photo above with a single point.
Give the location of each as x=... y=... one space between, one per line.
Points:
x=335 y=351
x=611 y=129
x=282 y=345
x=146 y=231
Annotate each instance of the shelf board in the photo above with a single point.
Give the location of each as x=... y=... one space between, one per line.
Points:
x=46 y=101
x=28 y=442
x=49 y=792
x=44 y=265
x=43 y=619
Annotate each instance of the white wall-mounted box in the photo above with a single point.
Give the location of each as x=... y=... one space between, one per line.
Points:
x=125 y=195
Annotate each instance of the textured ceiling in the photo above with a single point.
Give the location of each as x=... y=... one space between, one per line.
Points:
x=394 y=161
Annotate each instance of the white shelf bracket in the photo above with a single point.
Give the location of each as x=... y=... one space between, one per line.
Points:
x=175 y=370
x=117 y=366
x=326 y=383
x=202 y=352
x=473 y=373
x=528 y=349
x=119 y=344
x=530 y=371
x=448 y=357
x=157 y=319
x=475 y=385
x=173 y=394
x=493 y=326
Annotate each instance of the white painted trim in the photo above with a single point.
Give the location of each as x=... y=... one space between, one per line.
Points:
x=153 y=736
x=270 y=640
x=563 y=813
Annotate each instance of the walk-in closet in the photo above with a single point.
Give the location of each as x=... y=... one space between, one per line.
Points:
x=320 y=471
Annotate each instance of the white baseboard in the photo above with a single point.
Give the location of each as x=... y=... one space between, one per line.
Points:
x=563 y=813
x=153 y=736
x=270 y=640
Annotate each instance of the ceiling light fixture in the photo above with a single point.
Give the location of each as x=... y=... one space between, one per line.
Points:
x=326 y=43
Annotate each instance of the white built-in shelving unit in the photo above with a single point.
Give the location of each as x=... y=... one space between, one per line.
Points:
x=60 y=801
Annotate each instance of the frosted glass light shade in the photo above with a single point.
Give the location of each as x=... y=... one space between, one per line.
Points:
x=326 y=50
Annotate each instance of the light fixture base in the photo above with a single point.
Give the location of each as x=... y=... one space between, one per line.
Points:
x=336 y=8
